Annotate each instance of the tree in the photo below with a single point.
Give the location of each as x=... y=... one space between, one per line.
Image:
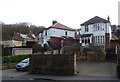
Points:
x=8 y=30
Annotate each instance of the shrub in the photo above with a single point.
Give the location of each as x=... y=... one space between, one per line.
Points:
x=14 y=58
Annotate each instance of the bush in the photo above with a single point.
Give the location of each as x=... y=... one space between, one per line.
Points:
x=14 y=58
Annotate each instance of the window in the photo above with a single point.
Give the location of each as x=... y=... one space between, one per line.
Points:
x=86 y=28
x=97 y=27
x=96 y=39
x=82 y=40
x=100 y=27
x=46 y=33
x=88 y=40
x=85 y=41
x=103 y=39
x=66 y=33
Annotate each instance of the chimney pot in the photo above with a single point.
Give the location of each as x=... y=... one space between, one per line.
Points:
x=53 y=22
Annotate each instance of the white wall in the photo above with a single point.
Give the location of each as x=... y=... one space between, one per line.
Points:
x=105 y=26
x=18 y=51
x=60 y=32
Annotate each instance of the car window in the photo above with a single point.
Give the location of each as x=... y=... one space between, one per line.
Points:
x=25 y=60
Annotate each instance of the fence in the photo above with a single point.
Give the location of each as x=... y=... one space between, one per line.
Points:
x=59 y=64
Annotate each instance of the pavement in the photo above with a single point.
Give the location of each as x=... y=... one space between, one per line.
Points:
x=87 y=71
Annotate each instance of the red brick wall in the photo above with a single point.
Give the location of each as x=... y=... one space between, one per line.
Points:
x=107 y=38
x=67 y=41
x=56 y=42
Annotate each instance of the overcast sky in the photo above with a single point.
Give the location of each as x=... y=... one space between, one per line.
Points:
x=71 y=13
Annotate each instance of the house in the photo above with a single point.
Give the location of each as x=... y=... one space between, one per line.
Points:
x=115 y=31
x=18 y=39
x=23 y=37
x=56 y=33
x=96 y=31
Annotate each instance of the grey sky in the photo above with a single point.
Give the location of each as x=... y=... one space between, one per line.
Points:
x=68 y=12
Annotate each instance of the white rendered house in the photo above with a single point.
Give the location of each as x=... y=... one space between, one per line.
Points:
x=56 y=30
x=96 y=31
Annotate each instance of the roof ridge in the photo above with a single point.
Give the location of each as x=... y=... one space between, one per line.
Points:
x=95 y=19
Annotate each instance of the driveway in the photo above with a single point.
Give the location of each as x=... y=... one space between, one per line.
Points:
x=87 y=71
x=97 y=69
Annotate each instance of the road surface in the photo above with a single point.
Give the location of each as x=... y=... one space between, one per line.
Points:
x=87 y=71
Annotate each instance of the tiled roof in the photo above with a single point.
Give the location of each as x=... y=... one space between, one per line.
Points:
x=16 y=36
x=95 y=19
x=19 y=36
x=61 y=26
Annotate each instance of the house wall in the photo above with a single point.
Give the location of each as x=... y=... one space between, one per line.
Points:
x=59 y=32
x=92 y=31
x=12 y=43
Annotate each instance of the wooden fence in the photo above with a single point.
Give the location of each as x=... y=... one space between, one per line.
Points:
x=58 y=64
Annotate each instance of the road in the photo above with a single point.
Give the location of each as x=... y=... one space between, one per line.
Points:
x=87 y=71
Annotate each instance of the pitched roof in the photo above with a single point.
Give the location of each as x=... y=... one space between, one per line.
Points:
x=61 y=26
x=16 y=36
x=19 y=36
x=95 y=19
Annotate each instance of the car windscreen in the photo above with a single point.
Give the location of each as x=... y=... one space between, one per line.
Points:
x=25 y=60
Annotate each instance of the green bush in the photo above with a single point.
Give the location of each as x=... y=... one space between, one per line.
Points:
x=14 y=58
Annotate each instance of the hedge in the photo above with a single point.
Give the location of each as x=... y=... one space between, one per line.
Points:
x=14 y=58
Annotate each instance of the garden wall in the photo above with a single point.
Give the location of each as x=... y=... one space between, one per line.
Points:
x=58 y=64
x=94 y=53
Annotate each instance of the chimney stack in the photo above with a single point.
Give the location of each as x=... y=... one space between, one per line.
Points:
x=53 y=22
x=108 y=18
